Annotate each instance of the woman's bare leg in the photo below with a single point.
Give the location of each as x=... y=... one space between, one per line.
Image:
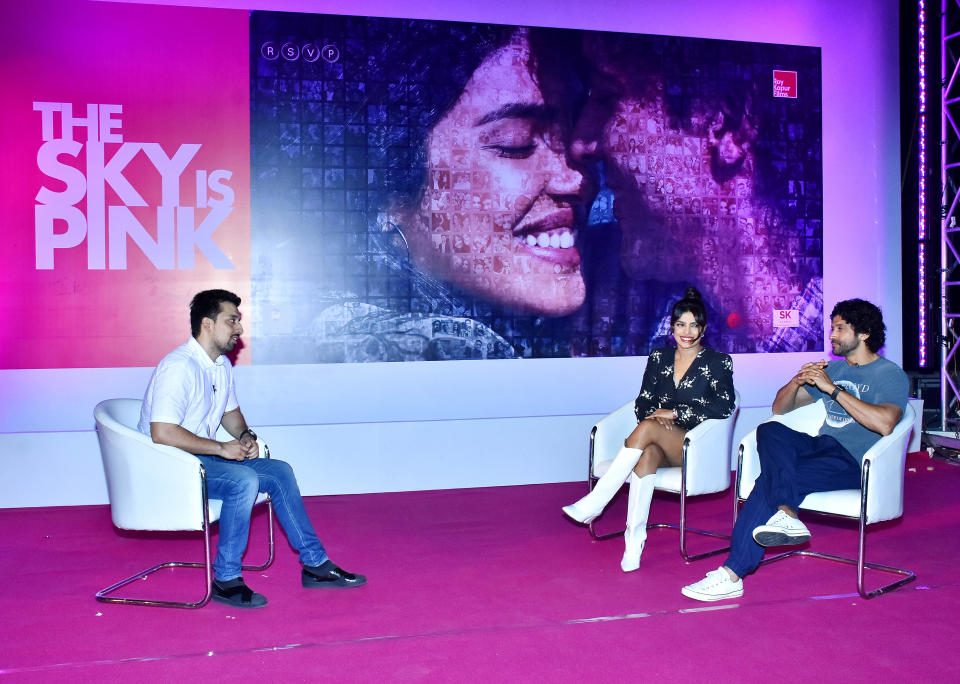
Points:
x=661 y=446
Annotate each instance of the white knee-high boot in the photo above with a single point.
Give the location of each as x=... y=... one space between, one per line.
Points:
x=638 y=510
x=592 y=505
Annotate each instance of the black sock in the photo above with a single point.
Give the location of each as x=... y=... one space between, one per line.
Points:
x=229 y=584
x=325 y=566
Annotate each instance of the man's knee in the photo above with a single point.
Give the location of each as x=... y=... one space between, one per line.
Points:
x=775 y=436
x=279 y=477
x=772 y=444
x=279 y=469
x=244 y=484
x=772 y=431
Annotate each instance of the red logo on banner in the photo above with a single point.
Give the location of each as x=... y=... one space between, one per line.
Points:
x=785 y=84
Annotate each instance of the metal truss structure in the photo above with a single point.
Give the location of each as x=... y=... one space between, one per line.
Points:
x=950 y=207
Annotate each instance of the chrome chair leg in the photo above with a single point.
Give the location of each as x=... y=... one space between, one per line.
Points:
x=104 y=595
x=906 y=576
x=682 y=527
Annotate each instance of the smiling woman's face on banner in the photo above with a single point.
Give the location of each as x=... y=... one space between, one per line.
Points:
x=511 y=237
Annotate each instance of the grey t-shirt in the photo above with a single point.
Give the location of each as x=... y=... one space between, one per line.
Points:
x=879 y=382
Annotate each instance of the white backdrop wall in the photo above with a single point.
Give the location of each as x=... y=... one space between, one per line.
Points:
x=351 y=428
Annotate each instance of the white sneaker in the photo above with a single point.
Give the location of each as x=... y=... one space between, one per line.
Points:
x=781 y=530
x=716 y=586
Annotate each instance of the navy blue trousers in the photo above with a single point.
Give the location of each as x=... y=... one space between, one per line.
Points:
x=792 y=465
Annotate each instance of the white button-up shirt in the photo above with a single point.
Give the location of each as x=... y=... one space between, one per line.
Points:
x=189 y=390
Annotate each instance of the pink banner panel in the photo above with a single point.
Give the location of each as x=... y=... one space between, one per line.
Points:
x=126 y=178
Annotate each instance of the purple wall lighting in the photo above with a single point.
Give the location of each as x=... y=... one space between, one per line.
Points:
x=922 y=198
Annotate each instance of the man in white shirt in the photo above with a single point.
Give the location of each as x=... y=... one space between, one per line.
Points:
x=190 y=395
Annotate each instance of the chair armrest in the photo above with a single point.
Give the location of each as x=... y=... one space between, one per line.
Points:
x=748 y=465
x=710 y=429
x=708 y=454
x=610 y=431
x=263 y=449
x=883 y=471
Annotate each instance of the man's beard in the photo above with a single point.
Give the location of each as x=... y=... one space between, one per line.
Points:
x=840 y=349
x=228 y=346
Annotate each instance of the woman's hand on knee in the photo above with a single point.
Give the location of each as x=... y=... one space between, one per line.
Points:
x=663 y=417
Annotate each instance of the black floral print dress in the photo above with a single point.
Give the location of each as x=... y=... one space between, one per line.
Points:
x=705 y=391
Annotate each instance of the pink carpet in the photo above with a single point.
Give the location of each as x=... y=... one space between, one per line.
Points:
x=468 y=585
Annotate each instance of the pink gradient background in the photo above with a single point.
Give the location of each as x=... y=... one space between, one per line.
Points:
x=181 y=75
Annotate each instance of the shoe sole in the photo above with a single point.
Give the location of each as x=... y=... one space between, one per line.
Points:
x=696 y=596
x=332 y=585
x=779 y=538
x=237 y=604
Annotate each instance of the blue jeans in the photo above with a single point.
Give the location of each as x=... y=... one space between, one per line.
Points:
x=792 y=465
x=237 y=484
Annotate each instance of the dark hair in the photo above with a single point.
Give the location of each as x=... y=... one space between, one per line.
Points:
x=206 y=304
x=421 y=69
x=692 y=302
x=865 y=318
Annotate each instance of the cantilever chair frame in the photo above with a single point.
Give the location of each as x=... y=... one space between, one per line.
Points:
x=905 y=423
x=682 y=527
x=207 y=564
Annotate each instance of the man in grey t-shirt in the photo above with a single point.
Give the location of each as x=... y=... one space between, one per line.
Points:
x=864 y=394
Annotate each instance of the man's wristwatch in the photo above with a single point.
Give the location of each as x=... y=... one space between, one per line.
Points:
x=836 y=390
x=250 y=432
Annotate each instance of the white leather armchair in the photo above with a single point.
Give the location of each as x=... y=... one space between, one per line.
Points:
x=705 y=468
x=157 y=488
x=879 y=498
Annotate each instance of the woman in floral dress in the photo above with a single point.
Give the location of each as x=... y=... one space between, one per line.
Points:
x=682 y=387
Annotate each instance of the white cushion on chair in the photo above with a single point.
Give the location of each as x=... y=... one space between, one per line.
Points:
x=668 y=480
x=845 y=502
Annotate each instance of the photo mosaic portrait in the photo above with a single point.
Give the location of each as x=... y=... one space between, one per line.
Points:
x=426 y=190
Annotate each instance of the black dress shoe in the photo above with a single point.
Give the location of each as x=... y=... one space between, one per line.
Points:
x=329 y=575
x=237 y=594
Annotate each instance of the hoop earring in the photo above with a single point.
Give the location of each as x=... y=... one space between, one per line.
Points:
x=396 y=236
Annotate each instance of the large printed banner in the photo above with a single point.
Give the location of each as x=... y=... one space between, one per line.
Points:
x=394 y=190
x=438 y=190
